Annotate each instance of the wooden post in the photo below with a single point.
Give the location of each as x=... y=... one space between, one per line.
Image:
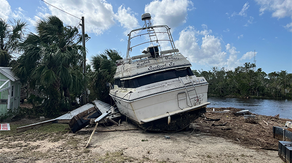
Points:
x=91 y=135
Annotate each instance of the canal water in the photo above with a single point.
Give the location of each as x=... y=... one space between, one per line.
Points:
x=257 y=106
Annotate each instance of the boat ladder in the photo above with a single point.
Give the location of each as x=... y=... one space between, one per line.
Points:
x=152 y=35
x=187 y=93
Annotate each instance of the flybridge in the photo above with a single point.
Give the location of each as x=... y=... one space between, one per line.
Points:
x=145 y=57
x=135 y=68
x=156 y=35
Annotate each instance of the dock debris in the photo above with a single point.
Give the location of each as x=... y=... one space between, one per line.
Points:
x=77 y=119
x=167 y=137
x=285 y=151
x=282 y=133
x=242 y=112
x=91 y=135
x=224 y=111
x=288 y=124
x=222 y=124
x=250 y=119
x=284 y=146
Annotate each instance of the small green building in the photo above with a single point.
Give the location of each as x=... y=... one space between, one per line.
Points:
x=9 y=90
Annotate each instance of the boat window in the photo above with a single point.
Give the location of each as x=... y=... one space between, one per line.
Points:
x=152 y=78
x=118 y=82
x=124 y=84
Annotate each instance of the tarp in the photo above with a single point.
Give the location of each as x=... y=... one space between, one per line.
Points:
x=4 y=127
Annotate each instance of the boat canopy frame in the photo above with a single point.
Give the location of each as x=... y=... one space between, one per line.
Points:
x=150 y=31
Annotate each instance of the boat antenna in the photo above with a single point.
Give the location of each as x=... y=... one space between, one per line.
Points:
x=147 y=19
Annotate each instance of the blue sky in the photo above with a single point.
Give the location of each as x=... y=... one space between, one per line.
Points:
x=210 y=33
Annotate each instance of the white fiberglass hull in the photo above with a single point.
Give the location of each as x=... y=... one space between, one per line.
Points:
x=160 y=100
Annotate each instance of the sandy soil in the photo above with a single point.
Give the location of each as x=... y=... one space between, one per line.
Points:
x=126 y=143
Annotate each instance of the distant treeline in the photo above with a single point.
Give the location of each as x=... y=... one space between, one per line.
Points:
x=246 y=82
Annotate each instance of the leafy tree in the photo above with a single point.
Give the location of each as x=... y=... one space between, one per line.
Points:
x=10 y=37
x=52 y=64
x=245 y=82
x=104 y=69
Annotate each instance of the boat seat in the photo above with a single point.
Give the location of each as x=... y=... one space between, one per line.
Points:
x=154 y=51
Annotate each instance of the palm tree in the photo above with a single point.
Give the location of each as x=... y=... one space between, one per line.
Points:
x=104 y=69
x=52 y=63
x=10 y=37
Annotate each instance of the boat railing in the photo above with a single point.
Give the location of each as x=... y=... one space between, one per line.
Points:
x=154 y=33
x=169 y=51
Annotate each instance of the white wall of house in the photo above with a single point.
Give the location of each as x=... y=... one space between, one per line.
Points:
x=9 y=91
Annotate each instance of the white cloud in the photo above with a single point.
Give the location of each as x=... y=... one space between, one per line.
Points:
x=5 y=9
x=18 y=14
x=232 y=60
x=170 y=12
x=227 y=46
x=7 y=14
x=249 y=21
x=243 y=14
x=240 y=36
x=98 y=14
x=248 y=55
x=243 y=10
x=279 y=9
x=289 y=27
x=233 y=14
x=188 y=45
x=206 y=31
x=207 y=50
x=208 y=53
x=126 y=19
x=227 y=30
x=211 y=50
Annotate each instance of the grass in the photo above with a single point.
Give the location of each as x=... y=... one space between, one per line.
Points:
x=53 y=128
x=39 y=133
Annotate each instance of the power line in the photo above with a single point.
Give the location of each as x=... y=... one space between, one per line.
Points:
x=61 y=9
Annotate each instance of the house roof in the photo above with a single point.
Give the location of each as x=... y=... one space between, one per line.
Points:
x=7 y=71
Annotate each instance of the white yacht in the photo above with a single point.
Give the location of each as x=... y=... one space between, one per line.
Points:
x=156 y=88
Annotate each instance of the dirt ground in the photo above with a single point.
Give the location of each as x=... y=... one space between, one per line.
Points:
x=254 y=132
x=215 y=137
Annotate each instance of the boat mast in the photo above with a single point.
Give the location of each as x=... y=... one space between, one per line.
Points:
x=151 y=32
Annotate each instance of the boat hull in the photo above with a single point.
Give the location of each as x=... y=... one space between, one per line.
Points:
x=177 y=122
x=162 y=104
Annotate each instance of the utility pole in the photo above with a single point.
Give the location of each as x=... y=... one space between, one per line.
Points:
x=84 y=59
